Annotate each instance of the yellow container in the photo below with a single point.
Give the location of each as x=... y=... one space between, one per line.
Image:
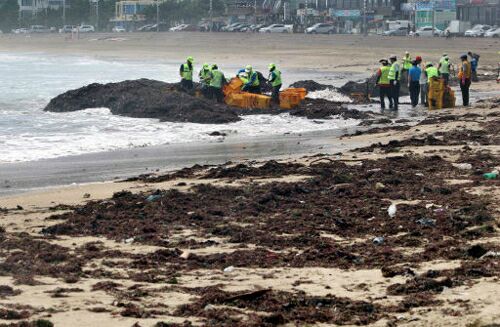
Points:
x=289 y=100
x=300 y=92
x=233 y=86
x=236 y=100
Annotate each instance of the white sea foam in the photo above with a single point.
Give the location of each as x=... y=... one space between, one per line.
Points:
x=330 y=95
x=29 y=81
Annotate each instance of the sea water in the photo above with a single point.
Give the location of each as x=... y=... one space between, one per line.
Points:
x=27 y=133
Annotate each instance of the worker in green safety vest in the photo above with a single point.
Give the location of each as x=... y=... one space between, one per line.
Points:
x=444 y=68
x=186 y=72
x=395 y=80
x=204 y=76
x=275 y=80
x=253 y=83
x=406 y=66
x=431 y=71
x=217 y=82
x=384 y=84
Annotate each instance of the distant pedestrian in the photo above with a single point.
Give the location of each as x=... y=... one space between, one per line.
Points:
x=384 y=84
x=414 y=83
x=423 y=82
x=474 y=62
x=186 y=72
x=394 y=80
x=464 y=75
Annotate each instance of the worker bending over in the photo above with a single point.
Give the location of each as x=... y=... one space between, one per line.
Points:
x=394 y=80
x=217 y=82
x=275 y=80
x=204 y=76
x=384 y=84
x=253 y=83
x=186 y=72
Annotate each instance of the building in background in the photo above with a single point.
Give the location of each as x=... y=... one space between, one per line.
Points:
x=130 y=13
x=29 y=8
x=479 y=11
x=438 y=13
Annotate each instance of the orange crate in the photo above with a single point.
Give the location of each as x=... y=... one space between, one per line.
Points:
x=301 y=92
x=234 y=86
x=289 y=100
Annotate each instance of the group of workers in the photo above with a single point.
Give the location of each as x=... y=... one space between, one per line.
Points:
x=418 y=76
x=415 y=73
x=212 y=80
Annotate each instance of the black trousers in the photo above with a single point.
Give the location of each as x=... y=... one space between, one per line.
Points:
x=205 y=90
x=465 y=91
x=446 y=77
x=395 y=94
x=186 y=85
x=254 y=89
x=385 y=92
x=275 y=96
x=216 y=93
x=414 y=92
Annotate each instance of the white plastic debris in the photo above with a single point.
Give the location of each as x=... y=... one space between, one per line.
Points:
x=463 y=166
x=129 y=240
x=378 y=240
x=229 y=269
x=392 y=210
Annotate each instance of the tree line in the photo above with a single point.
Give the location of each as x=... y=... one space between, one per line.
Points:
x=83 y=11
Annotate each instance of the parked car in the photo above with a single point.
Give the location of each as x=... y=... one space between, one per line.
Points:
x=494 y=32
x=235 y=27
x=39 y=29
x=66 y=29
x=320 y=28
x=477 y=31
x=86 y=29
x=399 y=31
x=118 y=29
x=20 y=31
x=162 y=27
x=427 y=31
x=277 y=28
x=145 y=28
x=227 y=27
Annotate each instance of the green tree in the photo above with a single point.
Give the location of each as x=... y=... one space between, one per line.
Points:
x=9 y=13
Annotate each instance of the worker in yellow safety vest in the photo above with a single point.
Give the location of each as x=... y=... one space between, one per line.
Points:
x=406 y=64
x=444 y=68
x=431 y=71
x=384 y=84
x=253 y=83
x=464 y=76
x=204 y=76
x=186 y=72
x=275 y=80
x=217 y=82
x=395 y=80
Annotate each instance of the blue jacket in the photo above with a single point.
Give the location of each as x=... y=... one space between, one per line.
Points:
x=414 y=74
x=473 y=64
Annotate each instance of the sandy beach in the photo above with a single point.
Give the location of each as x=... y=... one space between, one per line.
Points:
x=207 y=266
x=320 y=53
x=391 y=224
